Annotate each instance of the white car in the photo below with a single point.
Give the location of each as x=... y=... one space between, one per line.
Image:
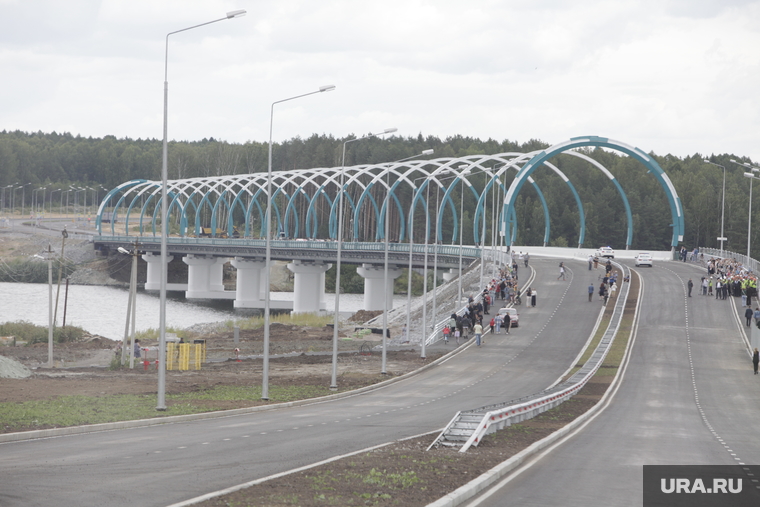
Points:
x=513 y=315
x=605 y=251
x=643 y=259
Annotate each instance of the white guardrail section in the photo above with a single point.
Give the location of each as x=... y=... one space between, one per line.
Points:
x=436 y=334
x=451 y=250
x=498 y=417
x=709 y=253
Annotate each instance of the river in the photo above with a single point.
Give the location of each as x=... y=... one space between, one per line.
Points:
x=103 y=310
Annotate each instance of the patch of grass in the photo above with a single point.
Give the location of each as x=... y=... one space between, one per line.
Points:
x=32 y=333
x=300 y=319
x=79 y=410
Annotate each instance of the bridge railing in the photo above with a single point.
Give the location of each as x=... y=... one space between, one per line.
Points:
x=748 y=262
x=467 y=251
x=436 y=333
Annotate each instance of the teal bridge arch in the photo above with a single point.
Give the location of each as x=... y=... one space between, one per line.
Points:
x=305 y=203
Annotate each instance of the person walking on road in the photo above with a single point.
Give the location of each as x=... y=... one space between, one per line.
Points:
x=507 y=322
x=561 y=271
x=690 y=285
x=590 y=261
x=755 y=359
x=590 y=292
x=478 y=329
x=526 y=259
x=748 y=314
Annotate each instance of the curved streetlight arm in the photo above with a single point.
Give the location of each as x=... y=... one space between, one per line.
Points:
x=268 y=250
x=230 y=15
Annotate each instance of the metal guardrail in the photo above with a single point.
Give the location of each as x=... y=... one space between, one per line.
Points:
x=748 y=262
x=467 y=251
x=471 y=426
x=436 y=334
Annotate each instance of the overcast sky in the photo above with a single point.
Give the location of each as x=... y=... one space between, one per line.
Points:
x=668 y=76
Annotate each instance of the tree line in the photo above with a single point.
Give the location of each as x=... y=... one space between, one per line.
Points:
x=58 y=162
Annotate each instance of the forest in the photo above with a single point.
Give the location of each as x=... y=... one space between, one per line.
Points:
x=41 y=168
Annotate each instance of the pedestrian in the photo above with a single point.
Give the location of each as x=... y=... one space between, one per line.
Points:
x=561 y=271
x=590 y=261
x=499 y=321
x=606 y=295
x=478 y=330
x=590 y=292
x=446 y=333
x=602 y=287
x=492 y=324
x=526 y=259
x=755 y=359
x=690 y=285
x=457 y=334
x=757 y=316
x=533 y=297
x=596 y=262
x=748 y=314
x=137 y=348
x=507 y=322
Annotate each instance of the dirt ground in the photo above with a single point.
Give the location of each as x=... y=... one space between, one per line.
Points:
x=299 y=356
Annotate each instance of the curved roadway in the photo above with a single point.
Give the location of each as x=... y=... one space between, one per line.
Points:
x=688 y=398
x=169 y=463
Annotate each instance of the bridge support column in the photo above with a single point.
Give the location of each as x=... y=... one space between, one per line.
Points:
x=450 y=274
x=204 y=277
x=153 y=281
x=249 y=292
x=374 y=285
x=308 y=286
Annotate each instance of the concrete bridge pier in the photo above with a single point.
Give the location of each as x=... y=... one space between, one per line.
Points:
x=308 y=286
x=204 y=277
x=153 y=281
x=450 y=274
x=249 y=292
x=374 y=285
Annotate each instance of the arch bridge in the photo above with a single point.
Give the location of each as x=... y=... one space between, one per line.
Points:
x=212 y=219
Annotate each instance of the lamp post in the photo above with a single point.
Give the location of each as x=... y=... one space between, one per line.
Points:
x=49 y=258
x=131 y=307
x=268 y=298
x=385 y=269
x=51 y=199
x=752 y=177
x=3 y=204
x=336 y=321
x=722 y=238
x=161 y=398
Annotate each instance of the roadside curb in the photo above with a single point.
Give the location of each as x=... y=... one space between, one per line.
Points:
x=143 y=423
x=487 y=479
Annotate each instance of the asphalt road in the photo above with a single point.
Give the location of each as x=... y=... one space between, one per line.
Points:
x=165 y=464
x=669 y=410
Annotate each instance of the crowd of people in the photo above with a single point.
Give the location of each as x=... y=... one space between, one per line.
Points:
x=728 y=277
x=503 y=288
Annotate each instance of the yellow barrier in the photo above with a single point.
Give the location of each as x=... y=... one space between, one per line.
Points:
x=178 y=355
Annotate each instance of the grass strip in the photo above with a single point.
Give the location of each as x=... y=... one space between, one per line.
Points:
x=79 y=410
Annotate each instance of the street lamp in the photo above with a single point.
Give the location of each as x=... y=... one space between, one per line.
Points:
x=131 y=307
x=752 y=177
x=161 y=398
x=51 y=199
x=722 y=238
x=336 y=322
x=3 y=204
x=49 y=258
x=387 y=246
x=268 y=298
